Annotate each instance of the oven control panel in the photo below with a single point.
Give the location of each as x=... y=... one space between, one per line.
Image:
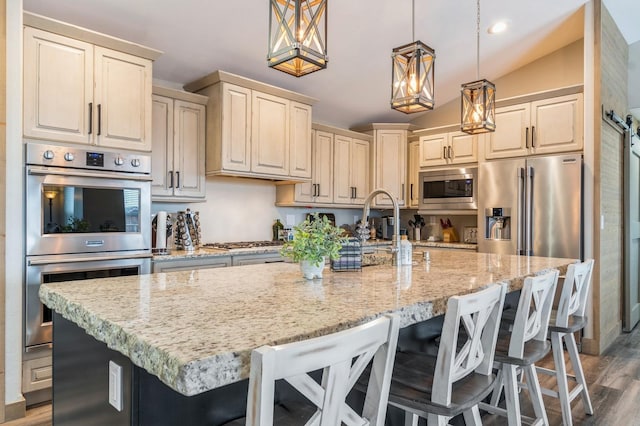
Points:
x=88 y=158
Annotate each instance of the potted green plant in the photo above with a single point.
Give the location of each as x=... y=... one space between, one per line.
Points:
x=313 y=240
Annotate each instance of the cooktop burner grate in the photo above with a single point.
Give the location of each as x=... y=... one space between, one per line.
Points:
x=243 y=244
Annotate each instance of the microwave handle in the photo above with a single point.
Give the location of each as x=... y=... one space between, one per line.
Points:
x=42 y=171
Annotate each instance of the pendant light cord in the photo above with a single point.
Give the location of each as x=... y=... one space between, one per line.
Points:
x=413 y=20
x=478 y=41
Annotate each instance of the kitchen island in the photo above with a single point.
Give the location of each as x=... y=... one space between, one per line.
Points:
x=194 y=330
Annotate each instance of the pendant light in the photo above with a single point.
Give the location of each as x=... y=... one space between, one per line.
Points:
x=478 y=97
x=298 y=36
x=412 y=74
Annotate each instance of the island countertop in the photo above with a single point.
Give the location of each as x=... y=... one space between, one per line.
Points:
x=195 y=330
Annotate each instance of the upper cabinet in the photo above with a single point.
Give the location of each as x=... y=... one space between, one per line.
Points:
x=178 y=146
x=340 y=172
x=255 y=130
x=89 y=92
x=389 y=160
x=443 y=149
x=541 y=127
x=413 y=174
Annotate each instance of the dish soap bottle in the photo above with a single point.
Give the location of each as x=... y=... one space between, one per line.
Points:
x=277 y=228
x=406 y=251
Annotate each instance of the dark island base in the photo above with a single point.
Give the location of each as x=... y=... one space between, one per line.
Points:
x=81 y=384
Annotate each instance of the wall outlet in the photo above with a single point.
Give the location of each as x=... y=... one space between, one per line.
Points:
x=115 y=385
x=291 y=220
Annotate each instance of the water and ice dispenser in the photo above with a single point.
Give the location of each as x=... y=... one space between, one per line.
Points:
x=497 y=223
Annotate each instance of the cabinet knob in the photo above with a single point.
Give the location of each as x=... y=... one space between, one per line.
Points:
x=48 y=155
x=119 y=161
x=69 y=156
x=135 y=162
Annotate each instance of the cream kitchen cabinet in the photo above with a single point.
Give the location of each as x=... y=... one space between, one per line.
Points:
x=320 y=189
x=545 y=126
x=413 y=197
x=255 y=130
x=351 y=170
x=182 y=264
x=86 y=93
x=178 y=146
x=388 y=160
x=448 y=148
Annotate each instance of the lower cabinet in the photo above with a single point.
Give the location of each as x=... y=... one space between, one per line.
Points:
x=36 y=372
x=183 y=264
x=252 y=259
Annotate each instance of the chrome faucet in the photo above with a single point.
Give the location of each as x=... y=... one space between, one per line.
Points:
x=395 y=249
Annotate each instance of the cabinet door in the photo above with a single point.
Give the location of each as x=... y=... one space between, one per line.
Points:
x=342 y=189
x=236 y=128
x=414 y=170
x=323 y=167
x=269 y=134
x=464 y=148
x=123 y=100
x=162 y=146
x=433 y=150
x=512 y=135
x=390 y=165
x=58 y=87
x=360 y=170
x=188 y=148
x=300 y=142
x=557 y=124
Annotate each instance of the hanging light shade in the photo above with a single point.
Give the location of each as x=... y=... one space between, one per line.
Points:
x=298 y=36
x=413 y=78
x=412 y=75
x=478 y=110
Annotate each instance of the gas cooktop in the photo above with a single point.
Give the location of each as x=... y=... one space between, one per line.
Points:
x=242 y=244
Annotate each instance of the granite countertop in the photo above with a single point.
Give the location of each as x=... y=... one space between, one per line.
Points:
x=195 y=330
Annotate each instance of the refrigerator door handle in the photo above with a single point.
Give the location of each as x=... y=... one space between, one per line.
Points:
x=520 y=223
x=529 y=201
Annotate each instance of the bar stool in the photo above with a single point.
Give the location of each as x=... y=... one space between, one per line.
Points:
x=454 y=382
x=565 y=321
x=520 y=346
x=343 y=356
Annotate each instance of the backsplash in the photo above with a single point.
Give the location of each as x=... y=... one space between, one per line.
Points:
x=243 y=210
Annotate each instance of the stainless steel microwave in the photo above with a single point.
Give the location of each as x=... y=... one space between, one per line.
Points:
x=449 y=189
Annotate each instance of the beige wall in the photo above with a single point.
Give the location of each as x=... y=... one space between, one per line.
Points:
x=561 y=68
x=3 y=139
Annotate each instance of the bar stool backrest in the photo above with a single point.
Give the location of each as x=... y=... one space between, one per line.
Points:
x=534 y=311
x=343 y=356
x=573 y=298
x=479 y=313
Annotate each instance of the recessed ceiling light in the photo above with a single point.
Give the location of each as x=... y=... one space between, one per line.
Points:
x=498 y=27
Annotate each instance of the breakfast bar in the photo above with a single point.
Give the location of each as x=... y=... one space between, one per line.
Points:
x=192 y=332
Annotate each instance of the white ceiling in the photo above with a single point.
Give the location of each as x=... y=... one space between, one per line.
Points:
x=200 y=36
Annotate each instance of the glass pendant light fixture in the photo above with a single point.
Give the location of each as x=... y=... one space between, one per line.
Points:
x=412 y=74
x=478 y=97
x=298 y=36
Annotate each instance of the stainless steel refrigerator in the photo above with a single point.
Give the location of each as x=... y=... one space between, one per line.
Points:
x=531 y=206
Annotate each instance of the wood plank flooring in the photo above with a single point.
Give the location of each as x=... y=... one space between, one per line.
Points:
x=613 y=379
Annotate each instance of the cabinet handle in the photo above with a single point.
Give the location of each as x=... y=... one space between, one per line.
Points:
x=90 y=117
x=450 y=153
x=318 y=186
x=178 y=179
x=99 y=119
x=526 y=138
x=444 y=152
x=314 y=192
x=171 y=179
x=533 y=136
x=402 y=194
x=355 y=192
x=411 y=192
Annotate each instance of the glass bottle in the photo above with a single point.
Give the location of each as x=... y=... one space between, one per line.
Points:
x=277 y=227
x=406 y=251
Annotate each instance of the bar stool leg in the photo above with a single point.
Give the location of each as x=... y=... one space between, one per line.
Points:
x=472 y=417
x=497 y=389
x=511 y=394
x=572 y=348
x=561 y=378
x=410 y=419
x=435 y=420
x=535 y=394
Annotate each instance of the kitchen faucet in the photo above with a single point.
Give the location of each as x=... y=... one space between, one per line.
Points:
x=396 y=219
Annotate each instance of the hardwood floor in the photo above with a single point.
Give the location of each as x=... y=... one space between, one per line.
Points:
x=613 y=378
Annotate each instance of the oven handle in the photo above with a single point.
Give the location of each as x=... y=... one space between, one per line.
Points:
x=35 y=170
x=48 y=261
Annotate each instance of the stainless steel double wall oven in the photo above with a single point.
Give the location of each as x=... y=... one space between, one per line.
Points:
x=88 y=215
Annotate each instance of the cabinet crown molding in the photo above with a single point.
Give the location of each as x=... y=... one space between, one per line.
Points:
x=73 y=31
x=180 y=95
x=343 y=132
x=226 y=77
x=384 y=126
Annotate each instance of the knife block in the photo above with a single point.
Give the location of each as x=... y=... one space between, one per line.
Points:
x=449 y=235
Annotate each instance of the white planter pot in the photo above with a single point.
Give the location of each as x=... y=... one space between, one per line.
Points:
x=310 y=270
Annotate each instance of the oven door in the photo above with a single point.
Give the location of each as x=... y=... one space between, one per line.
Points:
x=452 y=189
x=79 y=211
x=49 y=269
